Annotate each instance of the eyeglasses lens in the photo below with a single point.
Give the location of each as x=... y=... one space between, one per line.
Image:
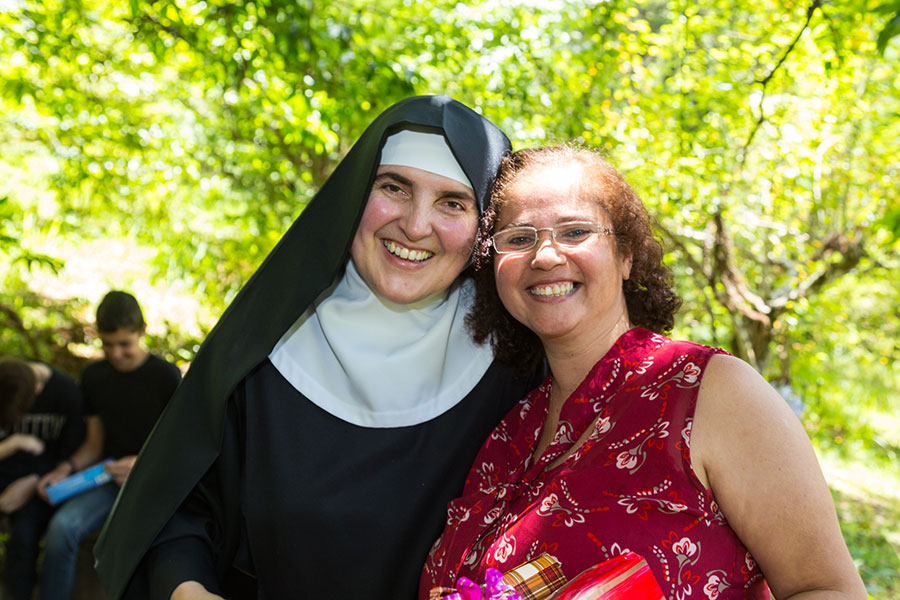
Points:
x=520 y=239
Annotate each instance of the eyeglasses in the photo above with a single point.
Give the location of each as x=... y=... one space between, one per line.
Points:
x=522 y=239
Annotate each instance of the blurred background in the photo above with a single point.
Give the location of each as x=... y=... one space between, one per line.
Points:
x=164 y=147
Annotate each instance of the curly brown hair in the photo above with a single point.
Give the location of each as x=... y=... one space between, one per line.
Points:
x=649 y=296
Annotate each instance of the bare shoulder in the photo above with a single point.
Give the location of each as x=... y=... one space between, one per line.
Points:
x=729 y=380
x=740 y=417
x=734 y=397
x=749 y=448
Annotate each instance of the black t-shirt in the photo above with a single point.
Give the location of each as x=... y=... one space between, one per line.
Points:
x=128 y=403
x=55 y=418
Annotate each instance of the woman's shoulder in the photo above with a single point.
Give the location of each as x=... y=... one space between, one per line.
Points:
x=733 y=395
x=736 y=410
x=733 y=380
x=690 y=347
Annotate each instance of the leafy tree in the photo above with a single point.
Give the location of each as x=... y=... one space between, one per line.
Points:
x=891 y=28
x=763 y=135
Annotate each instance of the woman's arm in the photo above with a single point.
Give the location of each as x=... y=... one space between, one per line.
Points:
x=752 y=452
x=18 y=493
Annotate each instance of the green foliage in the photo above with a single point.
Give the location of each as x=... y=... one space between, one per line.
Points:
x=891 y=28
x=11 y=242
x=869 y=525
x=867 y=499
x=858 y=343
x=764 y=137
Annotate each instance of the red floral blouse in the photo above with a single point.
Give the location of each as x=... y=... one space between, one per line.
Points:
x=629 y=487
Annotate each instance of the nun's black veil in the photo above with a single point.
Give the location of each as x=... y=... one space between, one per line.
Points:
x=187 y=438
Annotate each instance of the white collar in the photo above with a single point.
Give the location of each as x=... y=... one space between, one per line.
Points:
x=375 y=363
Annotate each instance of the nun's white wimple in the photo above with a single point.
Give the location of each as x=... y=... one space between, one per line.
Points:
x=374 y=363
x=426 y=151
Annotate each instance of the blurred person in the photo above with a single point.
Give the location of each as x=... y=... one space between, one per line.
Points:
x=40 y=425
x=124 y=394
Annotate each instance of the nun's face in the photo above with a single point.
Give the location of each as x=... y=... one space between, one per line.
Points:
x=416 y=233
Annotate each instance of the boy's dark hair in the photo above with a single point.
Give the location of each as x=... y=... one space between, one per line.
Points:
x=17 y=382
x=119 y=310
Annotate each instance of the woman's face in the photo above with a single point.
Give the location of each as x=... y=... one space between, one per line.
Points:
x=416 y=233
x=560 y=292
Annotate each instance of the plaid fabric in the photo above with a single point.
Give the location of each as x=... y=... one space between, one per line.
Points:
x=538 y=578
x=535 y=580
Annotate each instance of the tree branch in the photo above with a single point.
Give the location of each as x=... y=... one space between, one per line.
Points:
x=764 y=82
x=13 y=318
x=851 y=251
x=170 y=29
x=699 y=274
x=737 y=296
x=809 y=15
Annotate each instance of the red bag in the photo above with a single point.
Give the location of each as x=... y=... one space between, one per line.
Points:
x=625 y=577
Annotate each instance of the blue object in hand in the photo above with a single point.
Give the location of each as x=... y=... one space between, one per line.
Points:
x=78 y=483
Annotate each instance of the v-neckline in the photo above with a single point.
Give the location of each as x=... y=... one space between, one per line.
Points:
x=580 y=410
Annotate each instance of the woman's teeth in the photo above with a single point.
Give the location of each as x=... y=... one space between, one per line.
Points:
x=557 y=289
x=406 y=253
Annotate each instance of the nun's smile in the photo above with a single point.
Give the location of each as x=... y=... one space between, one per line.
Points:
x=407 y=254
x=416 y=233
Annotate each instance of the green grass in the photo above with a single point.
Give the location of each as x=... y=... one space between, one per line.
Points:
x=867 y=498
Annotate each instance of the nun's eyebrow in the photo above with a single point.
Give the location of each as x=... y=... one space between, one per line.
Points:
x=459 y=195
x=395 y=176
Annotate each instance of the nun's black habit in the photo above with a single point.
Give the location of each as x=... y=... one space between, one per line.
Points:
x=243 y=474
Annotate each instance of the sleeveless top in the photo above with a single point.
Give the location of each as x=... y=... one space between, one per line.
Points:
x=629 y=487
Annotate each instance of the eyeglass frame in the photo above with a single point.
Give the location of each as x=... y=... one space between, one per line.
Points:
x=597 y=230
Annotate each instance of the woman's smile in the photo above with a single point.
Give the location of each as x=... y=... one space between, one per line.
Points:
x=563 y=288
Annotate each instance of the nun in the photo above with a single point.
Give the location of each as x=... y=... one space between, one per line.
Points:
x=338 y=403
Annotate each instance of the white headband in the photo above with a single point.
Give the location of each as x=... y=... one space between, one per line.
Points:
x=426 y=151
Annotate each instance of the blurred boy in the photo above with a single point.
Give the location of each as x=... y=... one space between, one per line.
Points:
x=124 y=395
x=40 y=425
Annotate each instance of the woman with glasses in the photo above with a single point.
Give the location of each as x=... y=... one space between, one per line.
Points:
x=635 y=442
x=335 y=408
